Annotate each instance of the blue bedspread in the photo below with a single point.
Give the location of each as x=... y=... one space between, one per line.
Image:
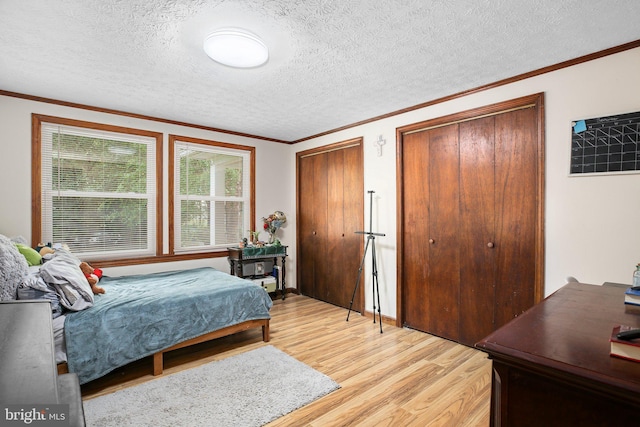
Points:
x=141 y=315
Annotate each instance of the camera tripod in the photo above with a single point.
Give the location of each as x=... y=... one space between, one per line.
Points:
x=371 y=239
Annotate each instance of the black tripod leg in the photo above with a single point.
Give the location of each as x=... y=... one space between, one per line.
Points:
x=378 y=296
x=376 y=288
x=374 y=274
x=359 y=276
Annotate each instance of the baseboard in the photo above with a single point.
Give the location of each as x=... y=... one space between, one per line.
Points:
x=385 y=319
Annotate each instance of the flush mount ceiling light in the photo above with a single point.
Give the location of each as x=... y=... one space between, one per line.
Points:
x=237 y=48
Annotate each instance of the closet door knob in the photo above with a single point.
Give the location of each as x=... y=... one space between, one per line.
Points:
x=490 y=245
x=432 y=241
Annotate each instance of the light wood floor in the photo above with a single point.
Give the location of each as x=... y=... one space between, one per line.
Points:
x=398 y=378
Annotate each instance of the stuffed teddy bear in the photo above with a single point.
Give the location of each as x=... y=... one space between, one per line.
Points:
x=44 y=249
x=93 y=276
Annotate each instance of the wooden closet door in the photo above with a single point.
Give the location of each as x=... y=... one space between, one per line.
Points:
x=313 y=225
x=443 y=236
x=479 y=203
x=346 y=266
x=416 y=305
x=330 y=210
x=477 y=229
x=344 y=201
x=335 y=282
x=431 y=261
x=516 y=197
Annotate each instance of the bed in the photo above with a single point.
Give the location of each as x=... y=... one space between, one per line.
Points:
x=138 y=316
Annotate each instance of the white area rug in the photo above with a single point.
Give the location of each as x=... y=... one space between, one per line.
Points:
x=250 y=389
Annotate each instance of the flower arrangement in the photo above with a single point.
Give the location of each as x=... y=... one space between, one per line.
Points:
x=273 y=222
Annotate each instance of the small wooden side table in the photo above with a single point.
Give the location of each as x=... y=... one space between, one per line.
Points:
x=256 y=262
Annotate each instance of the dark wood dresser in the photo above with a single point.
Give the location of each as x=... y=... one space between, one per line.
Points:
x=551 y=365
x=29 y=380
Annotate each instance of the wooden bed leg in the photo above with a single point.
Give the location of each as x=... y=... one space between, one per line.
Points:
x=157 y=363
x=265 y=332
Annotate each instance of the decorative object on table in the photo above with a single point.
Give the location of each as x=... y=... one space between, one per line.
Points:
x=272 y=223
x=254 y=237
x=632 y=296
x=625 y=342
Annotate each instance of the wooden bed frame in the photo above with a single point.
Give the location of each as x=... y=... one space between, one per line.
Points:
x=158 y=360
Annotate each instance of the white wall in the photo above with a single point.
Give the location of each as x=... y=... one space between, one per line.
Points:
x=15 y=171
x=592 y=223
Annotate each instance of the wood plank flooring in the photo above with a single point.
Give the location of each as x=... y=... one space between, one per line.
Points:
x=401 y=377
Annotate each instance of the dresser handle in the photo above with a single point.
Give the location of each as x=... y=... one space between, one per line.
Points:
x=432 y=241
x=490 y=245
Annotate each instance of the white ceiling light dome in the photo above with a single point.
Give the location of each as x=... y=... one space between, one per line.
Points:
x=236 y=47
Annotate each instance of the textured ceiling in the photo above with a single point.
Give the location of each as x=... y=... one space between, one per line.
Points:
x=333 y=62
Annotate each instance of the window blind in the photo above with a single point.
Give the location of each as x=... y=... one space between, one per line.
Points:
x=98 y=191
x=211 y=196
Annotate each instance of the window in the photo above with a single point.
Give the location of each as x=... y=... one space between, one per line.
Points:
x=211 y=188
x=97 y=189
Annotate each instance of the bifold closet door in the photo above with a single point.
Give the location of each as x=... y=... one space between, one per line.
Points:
x=443 y=235
x=344 y=244
x=416 y=304
x=313 y=225
x=330 y=212
x=516 y=198
x=352 y=244
x=431 y=259
x=470 y=218
x=477 y=228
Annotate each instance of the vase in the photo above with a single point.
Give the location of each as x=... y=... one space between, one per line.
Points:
x=272 y=238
